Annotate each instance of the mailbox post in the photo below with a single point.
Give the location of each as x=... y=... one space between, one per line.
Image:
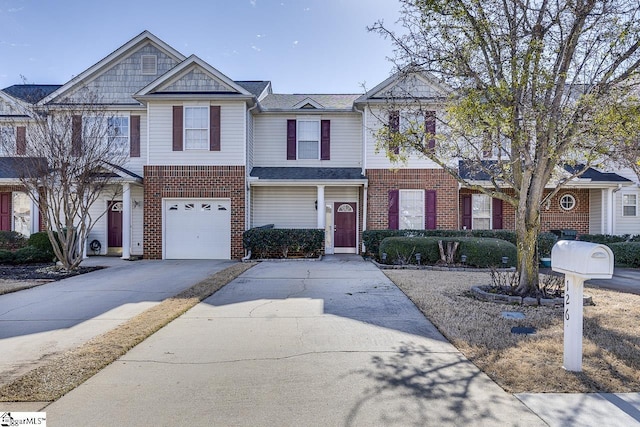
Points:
x=579 y=261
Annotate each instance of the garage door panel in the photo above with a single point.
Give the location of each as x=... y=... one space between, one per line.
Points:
x=198 y=229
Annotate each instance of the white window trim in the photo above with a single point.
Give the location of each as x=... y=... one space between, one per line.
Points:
x=635 y=205
x=570 y=196
x=128 y=134
x=400 y=216
x=184 y=128
x=308 y=119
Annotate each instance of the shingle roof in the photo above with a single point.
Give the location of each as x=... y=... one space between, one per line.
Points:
x=15 y=167
x=30 y=92
x=254 y=87
x=467 y=170
x=280 y=101
x=300 y=173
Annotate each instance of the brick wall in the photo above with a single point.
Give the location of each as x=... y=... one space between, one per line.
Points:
x=191 y=182
x=553 y=218
x=383 y=180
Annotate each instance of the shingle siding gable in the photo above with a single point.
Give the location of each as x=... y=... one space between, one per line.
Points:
x=196 y=81
x=123 y=79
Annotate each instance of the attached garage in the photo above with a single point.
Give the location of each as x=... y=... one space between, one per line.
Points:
x=197 y=228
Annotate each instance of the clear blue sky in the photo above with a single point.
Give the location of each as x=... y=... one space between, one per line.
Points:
x=302 y=46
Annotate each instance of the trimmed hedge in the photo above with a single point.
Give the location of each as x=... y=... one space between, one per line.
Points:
x=283 y=242
x=26 y=255
x=373 y=238
x=12 y=240
x=480 y=252
x=604 y=239
x=41 y=241
x=626 y=253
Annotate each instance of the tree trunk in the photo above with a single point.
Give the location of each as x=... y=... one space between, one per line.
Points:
x=527 y=230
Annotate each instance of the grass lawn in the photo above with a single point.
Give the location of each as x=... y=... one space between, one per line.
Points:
x=531 y=363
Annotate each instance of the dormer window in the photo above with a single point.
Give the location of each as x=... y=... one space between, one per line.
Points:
x=149 y=65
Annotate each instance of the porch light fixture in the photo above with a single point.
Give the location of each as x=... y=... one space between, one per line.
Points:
x=316 y=202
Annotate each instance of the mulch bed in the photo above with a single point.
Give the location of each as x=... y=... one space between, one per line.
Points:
x=47 y=271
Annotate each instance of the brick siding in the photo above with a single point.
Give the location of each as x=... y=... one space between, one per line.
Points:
x=192 y=182
x=553 y=218
x=383 y=180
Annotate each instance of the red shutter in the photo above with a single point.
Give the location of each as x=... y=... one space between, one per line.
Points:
x=21 y=140
x=430 y=212
x=430 y=128
x=394 y=127
x=466 y=211
x=76 y=136
x=291 y=139
x=214 y=128
x=496 y=212
x=5 y=211
x=134 y=143
x=394 y=209
x=177 y=127
x=325 y=140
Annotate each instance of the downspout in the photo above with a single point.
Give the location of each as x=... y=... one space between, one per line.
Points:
x=364 y=170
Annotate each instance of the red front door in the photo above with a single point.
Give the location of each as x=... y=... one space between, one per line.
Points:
x=5 y=211
x=345 y=225
x=114 y=224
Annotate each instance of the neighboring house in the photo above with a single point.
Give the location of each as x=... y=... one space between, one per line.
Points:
x=210 y=157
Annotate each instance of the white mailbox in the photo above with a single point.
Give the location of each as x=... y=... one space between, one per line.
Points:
x=582 y=259
x=579 y=261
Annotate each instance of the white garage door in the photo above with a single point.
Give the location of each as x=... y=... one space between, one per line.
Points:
x=197 y=228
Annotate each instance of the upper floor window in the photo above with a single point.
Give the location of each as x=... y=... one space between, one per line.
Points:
x=196 y=128
x=629 y=205
x=118 y=133
x=7 y=141
x=113 y=131
x=418 y=123
x=308 y=139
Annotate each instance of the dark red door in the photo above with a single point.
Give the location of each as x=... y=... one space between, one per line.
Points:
x=114 y=224
x=5 y=211
x=345 y=225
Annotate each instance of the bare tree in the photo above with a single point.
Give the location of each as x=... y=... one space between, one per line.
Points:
x=66 y=163
x=535 y=85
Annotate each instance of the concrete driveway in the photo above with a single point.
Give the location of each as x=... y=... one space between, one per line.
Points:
x=301 y=343
x=62 y=315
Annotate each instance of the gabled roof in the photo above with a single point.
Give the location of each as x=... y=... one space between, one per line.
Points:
x=595 y=175
x=259 y=88
x=297 y=102
x=160 y=85
x=30 y=93
x=96 y=69
x=385 y=90
x=301 y=173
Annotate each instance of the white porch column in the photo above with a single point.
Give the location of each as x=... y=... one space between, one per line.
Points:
x=321 y=208
x=35 y=215
x=126 y=221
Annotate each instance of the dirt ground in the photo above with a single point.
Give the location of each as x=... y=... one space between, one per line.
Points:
x=531 y=363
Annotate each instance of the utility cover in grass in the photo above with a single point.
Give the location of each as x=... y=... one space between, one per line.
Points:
x=523 y=330
x=512 y=315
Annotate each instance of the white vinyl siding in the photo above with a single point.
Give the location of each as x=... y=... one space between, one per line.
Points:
x=376 y=157
x=232 y=137
x=597 y=216
x=411 y=210
x=625 y=224
x=285 y=207
x=137 y=218
x=136 y=164
x=270 y=142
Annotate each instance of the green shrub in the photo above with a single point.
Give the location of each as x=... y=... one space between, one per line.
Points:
x=6 y=257
x=12 y=240
x=283 y=242
x=480 y=252
x=31 y=255
x=545 y=244
x=41 y=241
x=604 y=239
x=626 y=254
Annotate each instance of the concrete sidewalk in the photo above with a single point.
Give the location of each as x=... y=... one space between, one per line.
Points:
x=61 y=315
x=295 y=343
